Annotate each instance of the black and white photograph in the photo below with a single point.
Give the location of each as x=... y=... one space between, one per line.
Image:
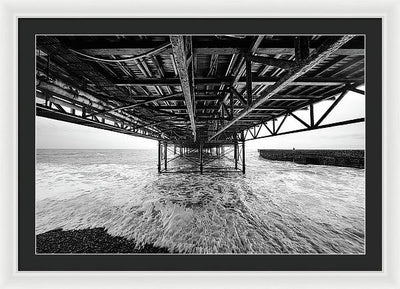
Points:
x=200 y=144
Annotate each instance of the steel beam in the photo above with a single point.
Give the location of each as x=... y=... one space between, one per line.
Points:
x=339 y=123
x=281 y=63
x=227 y=80
x=243 y=154
x=249 y=83
x=159 y=156
x=201 y=158
x=186 y=77
x=165 y=155
x=333 y=105
x=322 y=53
x=165 y=97
x=107 y=51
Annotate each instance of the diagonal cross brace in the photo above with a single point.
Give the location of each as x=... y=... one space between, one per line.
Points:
x=322 y=53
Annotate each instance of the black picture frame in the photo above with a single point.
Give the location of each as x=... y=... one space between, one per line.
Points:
x=29 y=261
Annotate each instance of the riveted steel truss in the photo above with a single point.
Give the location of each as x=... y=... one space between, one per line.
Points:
x=196 y=95
x=202 y=158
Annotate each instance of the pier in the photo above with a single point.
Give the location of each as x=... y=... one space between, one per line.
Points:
x=341 y=158
x=201 y=97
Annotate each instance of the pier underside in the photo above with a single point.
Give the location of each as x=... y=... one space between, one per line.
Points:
x=200 y=97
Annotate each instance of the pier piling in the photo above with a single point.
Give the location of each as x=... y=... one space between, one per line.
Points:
x=212 y=115
x=165 y=155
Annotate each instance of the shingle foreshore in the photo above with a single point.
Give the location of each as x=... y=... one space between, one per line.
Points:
x=95 y=240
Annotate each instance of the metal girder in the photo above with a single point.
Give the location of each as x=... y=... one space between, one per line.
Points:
x=48 y=112
x=301 y=47
x=321 y=54
x=185 y=71
x=312 y=125
x=106 y=51
x=266 y=80
x=165 y=97
x=339 y=123
x=213 y=107
x=281 y=63
x=238 y=95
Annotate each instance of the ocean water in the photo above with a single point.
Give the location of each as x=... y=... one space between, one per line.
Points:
x=275 y=208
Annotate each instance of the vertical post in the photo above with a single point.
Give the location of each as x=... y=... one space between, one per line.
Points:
x=302 y=47
x=243 y=155
x=165 y=155
x=273 y=125
x=248 y=82
x=159 y=156
x=231 y=106
x=48 y=67
x=180 y=150
x=311 y=115
x=201 y=158
x=174 y=149
x=235 y=153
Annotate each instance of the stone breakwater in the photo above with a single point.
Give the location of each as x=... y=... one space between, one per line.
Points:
x=341 y=158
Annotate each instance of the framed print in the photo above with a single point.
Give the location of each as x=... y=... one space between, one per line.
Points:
x=196 y=148
x=195 y=94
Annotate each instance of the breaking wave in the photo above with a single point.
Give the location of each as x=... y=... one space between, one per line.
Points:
x=277 y=207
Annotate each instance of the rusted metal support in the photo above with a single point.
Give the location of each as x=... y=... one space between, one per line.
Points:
x=238 y=95
x=301 y=47
x=235 y=151
x=311 y=115
x=273 y=126
x=346 y=122
x=226 y=80
x=201 y=158
x=286 y=48
x=159 y=156
x=165 y=155
x=249 y=83
x=243 y=155
x=165 y=97
x=299 y=119
x=231 y=106
x=323 y=52
x=281 y=63
x=48 y=67
x=185 y=70
x=333 y=105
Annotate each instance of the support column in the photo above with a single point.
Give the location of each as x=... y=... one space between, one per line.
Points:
x=249 y=83
x=235 y=153
x=180 y=150
x=174 y=149
x=165 y=155
x=311 y=115
x=159 y=156
x=243 y=155
x=201 y=158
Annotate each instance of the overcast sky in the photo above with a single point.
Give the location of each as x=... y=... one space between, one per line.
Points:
x=56 y=134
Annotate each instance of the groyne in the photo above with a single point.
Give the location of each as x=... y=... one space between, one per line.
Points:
x=341 y=158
